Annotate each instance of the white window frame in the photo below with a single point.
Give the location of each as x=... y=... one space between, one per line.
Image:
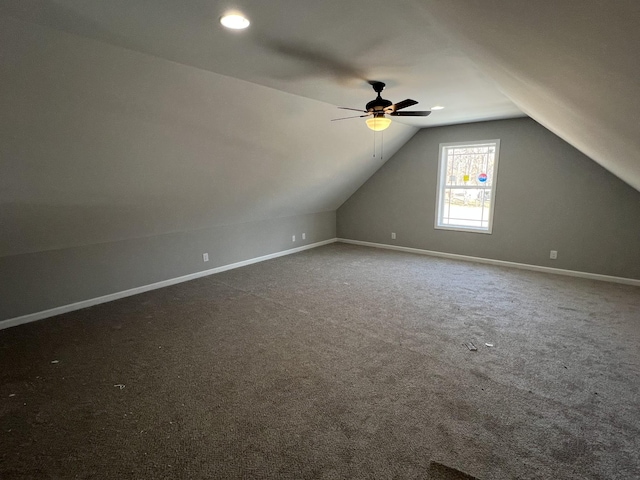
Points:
x=442 y=184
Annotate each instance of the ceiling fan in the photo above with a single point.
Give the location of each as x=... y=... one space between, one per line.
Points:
x=378 y=108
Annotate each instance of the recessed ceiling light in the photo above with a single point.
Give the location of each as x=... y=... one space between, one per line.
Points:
x=234 y=21
x=437 y=107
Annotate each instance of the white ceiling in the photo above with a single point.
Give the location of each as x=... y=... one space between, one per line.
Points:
x=569 y=64
x=322 y=50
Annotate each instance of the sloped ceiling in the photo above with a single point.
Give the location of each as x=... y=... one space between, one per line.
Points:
x=323 y=50
x=101 y=144
x=571 y=65
x=126 y=118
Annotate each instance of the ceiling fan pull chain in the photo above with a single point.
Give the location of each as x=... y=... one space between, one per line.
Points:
x=381 y=145
x=374 y=144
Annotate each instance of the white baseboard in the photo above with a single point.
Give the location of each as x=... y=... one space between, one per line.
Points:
x=502 y=263
x=32 y=317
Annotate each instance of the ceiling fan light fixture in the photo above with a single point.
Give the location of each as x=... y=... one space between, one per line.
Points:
x=437 y=107
x=377 y=124
x=234 y=21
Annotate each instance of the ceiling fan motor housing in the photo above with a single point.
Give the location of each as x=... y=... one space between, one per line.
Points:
x=378 y=105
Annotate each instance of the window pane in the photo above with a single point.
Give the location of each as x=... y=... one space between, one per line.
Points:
x=470 y=165
x=466 y=207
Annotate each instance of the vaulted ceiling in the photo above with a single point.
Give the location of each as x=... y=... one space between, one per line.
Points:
x=323 y=50
x=259 y=102
x=571 y=65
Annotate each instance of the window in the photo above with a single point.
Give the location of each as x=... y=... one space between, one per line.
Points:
x=466 y=186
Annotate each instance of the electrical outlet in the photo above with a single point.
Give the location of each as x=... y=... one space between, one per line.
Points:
x=553 y=255
x=205 y=257
x=304 y=236
x=293 y=238
x=393 y=235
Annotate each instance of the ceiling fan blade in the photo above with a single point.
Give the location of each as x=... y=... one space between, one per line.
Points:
x=321 y=62
x=346 y=118
x=411 y=114
x=403 y=104
x=354 y=109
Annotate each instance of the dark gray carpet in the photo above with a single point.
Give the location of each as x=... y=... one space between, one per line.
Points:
x=338 y=362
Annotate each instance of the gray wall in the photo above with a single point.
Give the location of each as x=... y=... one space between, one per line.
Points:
x=34 y=282
x=549 y=196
